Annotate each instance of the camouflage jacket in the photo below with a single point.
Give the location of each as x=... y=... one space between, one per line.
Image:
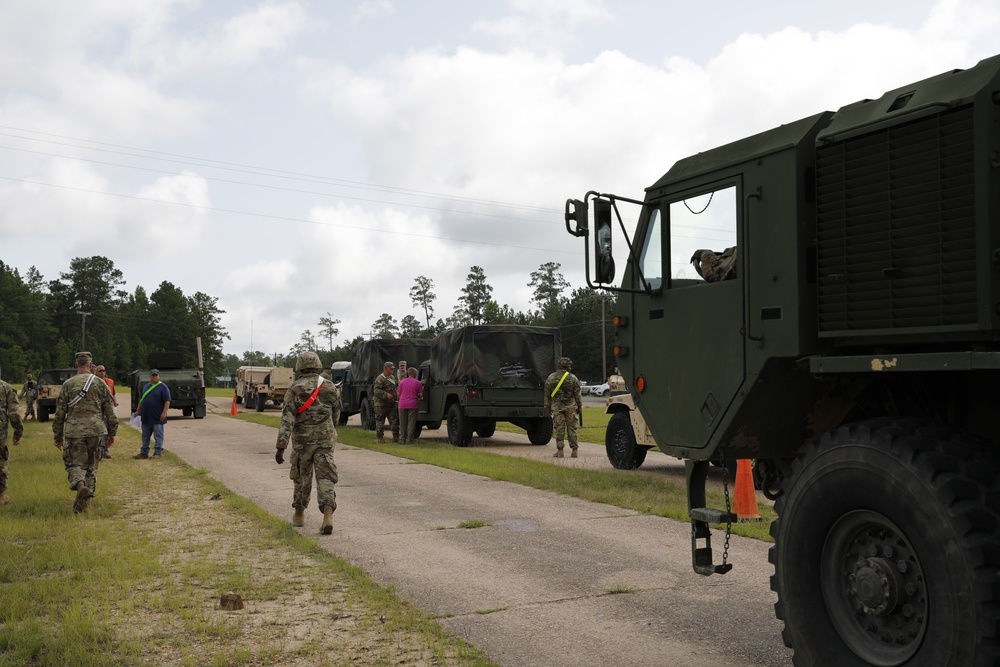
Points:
x=9 y=414
x=317 y=423
x=94 y=414
x=30 y=389
x=385 y=389
x=569 y=396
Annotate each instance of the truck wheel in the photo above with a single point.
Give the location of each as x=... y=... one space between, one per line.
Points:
x=416 y=431
x=199 y=411
x=248 y=401
x=898 y=520
x=619 y=442
x=486 y=428
x=43 y=414
x=367 y=415
x=459 y=426
x=342 y=420
x=541 y=431
x=261 y=402
x=186 y=412
x=239 y=399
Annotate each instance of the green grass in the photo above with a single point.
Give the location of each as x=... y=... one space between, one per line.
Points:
x=137 y=579
x=636 y=490
x=474 y=523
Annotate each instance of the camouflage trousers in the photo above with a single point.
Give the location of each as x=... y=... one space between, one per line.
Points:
x=29 y=409
x=4 y=456
x=564 y=427
x=385 y=411
x=81 y=456
x=305 y=461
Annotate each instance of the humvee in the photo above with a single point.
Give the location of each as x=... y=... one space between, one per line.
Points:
x=50 y=382
x=824 y=297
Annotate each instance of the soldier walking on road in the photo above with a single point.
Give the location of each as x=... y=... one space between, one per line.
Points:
x=29 y=392
x=308 y=420
x=385 y=403
x=564 y=401
x=85 y=414
x=9 y=416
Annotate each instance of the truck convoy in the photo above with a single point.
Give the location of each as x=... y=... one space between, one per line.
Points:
x=479 y=375
x=824 y=297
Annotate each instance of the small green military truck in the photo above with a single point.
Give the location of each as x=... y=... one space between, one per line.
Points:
x=481 y=374
x=824 y=297
x=186 y=385
x=50 y=383
x=366 y=364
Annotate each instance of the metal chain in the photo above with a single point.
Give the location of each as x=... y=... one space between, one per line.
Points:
x=729 y=507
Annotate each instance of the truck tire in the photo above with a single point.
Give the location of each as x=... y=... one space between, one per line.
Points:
x=239 y=399
x=541 y=431
x=367 y=415
x=459 y=426
x=186 y=412
x=900 y=519
x=199 y=411
x=619 y=442
x=248 y=401
x=261 y=402
x=43 y=414
x=486 y=428
x=416 y=431
x=342 y=420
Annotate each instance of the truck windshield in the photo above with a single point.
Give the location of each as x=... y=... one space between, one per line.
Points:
x=706 y=221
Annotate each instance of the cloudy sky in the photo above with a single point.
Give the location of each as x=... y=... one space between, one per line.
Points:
x=296 y=157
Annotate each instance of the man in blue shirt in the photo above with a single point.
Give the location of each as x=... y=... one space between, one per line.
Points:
x=154 y=401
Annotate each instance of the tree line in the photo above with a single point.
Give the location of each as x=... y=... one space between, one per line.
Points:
x=44 y=322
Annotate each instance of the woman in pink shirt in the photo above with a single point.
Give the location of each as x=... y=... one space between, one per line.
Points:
x=409 y=391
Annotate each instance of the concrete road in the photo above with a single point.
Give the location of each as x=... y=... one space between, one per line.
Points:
x=550 y=580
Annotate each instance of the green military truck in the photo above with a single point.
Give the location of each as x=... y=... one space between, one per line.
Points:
x=50 y=383
x=186 y=385
x=479 y=375
x=366 y=364
x=824 y=297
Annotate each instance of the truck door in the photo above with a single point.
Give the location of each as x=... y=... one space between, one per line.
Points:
x=688 y=333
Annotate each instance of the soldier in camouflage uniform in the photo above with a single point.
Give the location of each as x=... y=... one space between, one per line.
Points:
x=564 y=400
x=85 y=414
x=385 y=403
x=29 y=392
x=9 y=415
x=308 y=419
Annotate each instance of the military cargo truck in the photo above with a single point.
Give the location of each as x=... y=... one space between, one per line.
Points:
x=186 y=385
x=366 y=365
x=825 y=297
x=272 y=387
x=479 y=375
x=50 y=382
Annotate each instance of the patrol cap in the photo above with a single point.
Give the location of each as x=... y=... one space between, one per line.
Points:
x=388 y=364
x=327 y=368
x=83 y=358
x=154 y=371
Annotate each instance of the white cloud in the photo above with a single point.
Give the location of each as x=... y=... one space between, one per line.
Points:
x=544 y=25
x=372 y=9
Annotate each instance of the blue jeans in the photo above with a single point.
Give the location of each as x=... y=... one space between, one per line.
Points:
x=156 y=430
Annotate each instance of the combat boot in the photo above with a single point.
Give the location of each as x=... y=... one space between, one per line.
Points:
x=559 y=454
x=572 y=454
x=299 y=518
x=83 y=495
x=395 y=439
x=4 y=499
x=379 y=439
x=327 y=526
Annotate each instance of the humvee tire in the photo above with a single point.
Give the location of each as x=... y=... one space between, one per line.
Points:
x=619 y=442
x=261 y=402
x=199 y=411
x=459 y=426
x=43 y=414
x=249 y=401
x=899 y=515
x=541 y=431
x=367 y=415
x=486 y=428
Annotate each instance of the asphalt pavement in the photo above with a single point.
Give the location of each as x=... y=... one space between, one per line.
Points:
x=549 y=580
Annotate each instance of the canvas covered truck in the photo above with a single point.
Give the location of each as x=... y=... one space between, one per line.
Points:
x=247 y=379
x=481 y=374
x=824 y=297
x=50 y=383
x=366 y=364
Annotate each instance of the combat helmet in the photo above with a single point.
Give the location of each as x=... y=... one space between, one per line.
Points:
x=565 y=363
x=308 y=361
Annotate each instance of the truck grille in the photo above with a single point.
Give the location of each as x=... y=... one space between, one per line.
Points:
x=895 y=228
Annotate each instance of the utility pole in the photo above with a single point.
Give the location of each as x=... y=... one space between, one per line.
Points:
x=83 y=329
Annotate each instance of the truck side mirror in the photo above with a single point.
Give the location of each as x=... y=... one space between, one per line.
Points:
x=578 y=214
x=604 y=261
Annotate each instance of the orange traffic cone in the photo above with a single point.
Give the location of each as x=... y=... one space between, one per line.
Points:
x=745 y=499
x=233 y=411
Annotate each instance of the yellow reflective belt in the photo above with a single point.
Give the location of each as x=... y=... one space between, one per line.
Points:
x=553 y=394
